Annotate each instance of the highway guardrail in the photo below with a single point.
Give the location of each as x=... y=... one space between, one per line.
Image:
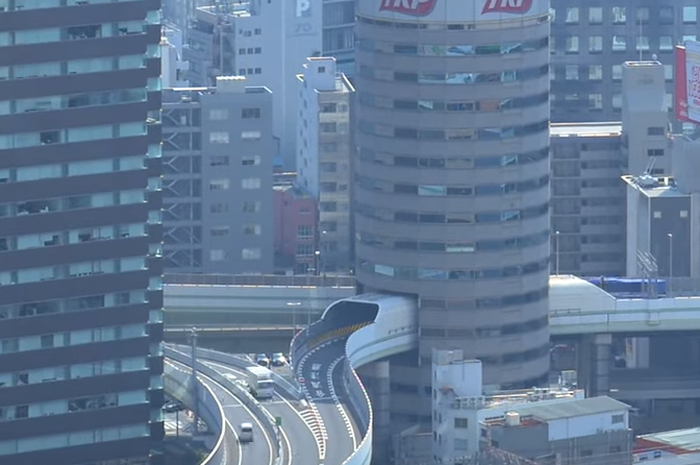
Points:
x=178 y=384
x=177 y=351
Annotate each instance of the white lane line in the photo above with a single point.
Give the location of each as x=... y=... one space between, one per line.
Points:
x=316 y=424
x=338 y=404
x=218 y=366
x=250 y=412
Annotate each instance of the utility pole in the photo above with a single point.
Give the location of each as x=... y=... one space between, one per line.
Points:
x=195 y=384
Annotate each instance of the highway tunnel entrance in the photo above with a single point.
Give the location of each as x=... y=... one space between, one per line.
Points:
x=348 y=313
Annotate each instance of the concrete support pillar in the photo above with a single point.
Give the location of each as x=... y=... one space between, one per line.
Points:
x=378 y=381
x=600 y=348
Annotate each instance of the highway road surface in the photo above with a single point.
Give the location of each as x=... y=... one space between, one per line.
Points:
x=258 y=452
x=320 y=369
x=298 y=440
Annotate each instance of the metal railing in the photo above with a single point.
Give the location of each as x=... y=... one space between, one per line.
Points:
x=183 y=353
x=260 y=280
x=178 y=384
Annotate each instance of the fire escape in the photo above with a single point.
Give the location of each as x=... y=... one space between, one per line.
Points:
x=182 y=186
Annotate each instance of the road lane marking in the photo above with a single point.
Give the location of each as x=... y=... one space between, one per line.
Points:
x=338 y=404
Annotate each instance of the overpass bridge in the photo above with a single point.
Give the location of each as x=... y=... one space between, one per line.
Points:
x=334 y=346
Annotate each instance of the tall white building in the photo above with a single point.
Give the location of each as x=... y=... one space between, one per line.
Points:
x=323 y=156
x=268 y=42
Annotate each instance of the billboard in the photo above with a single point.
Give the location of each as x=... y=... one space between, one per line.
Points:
x=462 y=11
x=687 y=99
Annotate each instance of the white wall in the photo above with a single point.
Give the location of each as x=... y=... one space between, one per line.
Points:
x=586 y=425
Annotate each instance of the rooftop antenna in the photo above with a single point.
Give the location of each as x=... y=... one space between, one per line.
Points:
x=639 y=41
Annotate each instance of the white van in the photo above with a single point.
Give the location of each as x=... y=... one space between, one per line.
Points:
x=245 y=432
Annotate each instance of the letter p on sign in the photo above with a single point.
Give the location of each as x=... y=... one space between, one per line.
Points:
x=303 y=8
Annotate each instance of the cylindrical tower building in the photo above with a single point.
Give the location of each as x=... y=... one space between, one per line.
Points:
x=452 y=176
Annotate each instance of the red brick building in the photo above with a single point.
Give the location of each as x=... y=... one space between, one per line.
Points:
x=296 y=217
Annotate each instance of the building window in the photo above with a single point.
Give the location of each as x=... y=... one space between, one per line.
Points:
x=617 y=72
x=250 y=160
x=683 y=214
x=642 y=43
x=321 y=69
x=619 y=43
x=218 y=114
x=258 y=70
x=657 y=214
x=305 y=249
x=656 y=131
x=461 y=444
x=595 y=44
x=666 y=43
x=251 y=253
x=619 y=15
x=218 y=255
x=571 y=44
x=572 y=15
x=329 y=167
x=258 y=50
x=572 y=72
x=668 y=72
x=258 y=31
x=329 y=127
x=329 y=108
x=250 y=183
x=462 y=423
x=642 y=15
x=218 y=137
x=595 y=72
x=251 y=207
x=250 y=113
x=304 y=231
x=251 y=135
x=617 y=101
x=690 y=14
x=595 y=101
x=655 y=152
x=219 y=185
x=251 y=230
x=666 y=15
x=595 y=15
x=219 y=231
x=218 y=208
x=218 y=160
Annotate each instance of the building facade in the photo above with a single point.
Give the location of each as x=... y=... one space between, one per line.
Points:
x=296 y=221
x=588 y=197
x=80 y=232
x=217 y=175
x=452 y=181
x=591 y=41
x=324 y=151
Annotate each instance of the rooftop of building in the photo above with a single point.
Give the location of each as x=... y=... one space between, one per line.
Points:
x=604 y=129
x=570 y=408
x=654 y=186
x=680 y=441
x=293 y=190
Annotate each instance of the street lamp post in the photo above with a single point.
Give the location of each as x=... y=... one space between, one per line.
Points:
x=670 y=264
x=556 y=253
x=195 y=386
x=294 y=306
x=317 y=254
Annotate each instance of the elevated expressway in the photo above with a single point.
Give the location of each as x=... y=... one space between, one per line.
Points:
x=223 y=403
x=327 y=353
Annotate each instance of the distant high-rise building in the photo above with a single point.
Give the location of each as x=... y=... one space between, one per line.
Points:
x=452 y=182
x=268 y=42
x=217 y=166
x=324 y=151
x=80 y=233
x=588 y=196
x=590 y=43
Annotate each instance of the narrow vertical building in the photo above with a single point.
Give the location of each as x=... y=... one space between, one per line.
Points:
x=80 y=233
x=323 y=158
x=452 y=180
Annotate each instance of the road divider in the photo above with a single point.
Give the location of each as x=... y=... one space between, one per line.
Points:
x=269 y=422
x=178 y=384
